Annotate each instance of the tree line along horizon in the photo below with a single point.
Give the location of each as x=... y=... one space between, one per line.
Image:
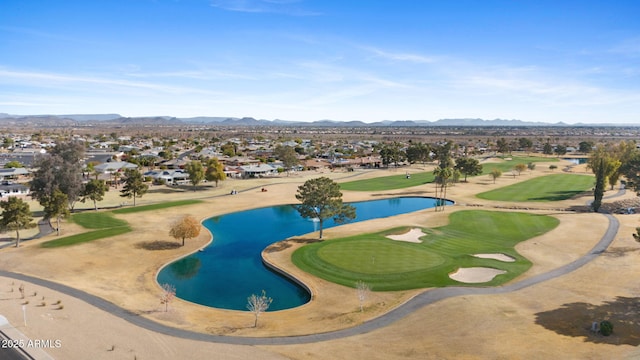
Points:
x=59 y=181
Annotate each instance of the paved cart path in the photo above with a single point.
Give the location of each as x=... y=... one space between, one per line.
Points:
x=419 y=301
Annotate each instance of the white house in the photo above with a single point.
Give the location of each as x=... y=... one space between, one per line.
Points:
x=9 y=189
x=257 y=170
x=114 y=166
x=169 y=176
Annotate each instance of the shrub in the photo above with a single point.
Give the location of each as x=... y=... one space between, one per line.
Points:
x=606 y=328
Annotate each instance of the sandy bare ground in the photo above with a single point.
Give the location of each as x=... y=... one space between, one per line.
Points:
x=500 y=257
x=540 y=321
x=474 y=275
x=412 y=235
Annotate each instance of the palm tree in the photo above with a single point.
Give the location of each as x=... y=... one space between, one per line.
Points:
x=442 y=178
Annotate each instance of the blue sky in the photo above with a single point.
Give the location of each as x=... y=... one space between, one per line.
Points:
x=305 y=60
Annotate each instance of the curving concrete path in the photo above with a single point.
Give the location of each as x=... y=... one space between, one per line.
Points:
x=419 y=301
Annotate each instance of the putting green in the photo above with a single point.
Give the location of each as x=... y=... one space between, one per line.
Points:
x=386 y=264
x=371 y=259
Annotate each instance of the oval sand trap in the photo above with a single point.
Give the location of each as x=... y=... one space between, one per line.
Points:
x=500 y=257
x=475 y=274
x=412 y=235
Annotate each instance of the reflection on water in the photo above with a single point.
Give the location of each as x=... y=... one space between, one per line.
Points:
x=185 y=268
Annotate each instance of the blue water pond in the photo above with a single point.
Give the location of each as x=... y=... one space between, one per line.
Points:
x=230 y=269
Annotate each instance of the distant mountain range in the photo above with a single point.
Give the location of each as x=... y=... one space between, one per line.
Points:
x=103 y=119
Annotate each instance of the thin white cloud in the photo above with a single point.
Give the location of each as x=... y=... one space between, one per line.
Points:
x=285 y=7
x=400 y=56
x=44 y=79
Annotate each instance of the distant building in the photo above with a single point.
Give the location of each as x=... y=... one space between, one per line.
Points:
x=13 y=173
x=7 y=188
x=114 y=166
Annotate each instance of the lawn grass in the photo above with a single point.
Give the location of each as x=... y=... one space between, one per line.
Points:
x=97 y=220
x=545 y=188
x=386 y=264
x=388 y=182
x=400 y=181
x=86 y=237
x=134 y=209
x=508 y=165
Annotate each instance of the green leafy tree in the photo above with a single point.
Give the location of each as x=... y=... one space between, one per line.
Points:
x=631 y=170
x=196 y=172
x=585 y=147
x=15 y=216
x=287 y=155
x=443 y=154
x=503 y=146
x=321 y=199
x=215 y=171
x=134 y=186
x=60 y=169
x=56 y=207
x=525 y=144
x=94 y=190
x=560 y=150
x=531 y=166
x=468 y=166
x=418 y=152
x=603 y=165
x=7 y=142
x=547 y=149
x=495 y=174
x=13 y=164
x=392 y=154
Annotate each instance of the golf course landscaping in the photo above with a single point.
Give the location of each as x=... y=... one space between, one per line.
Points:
x=545 y=188
x=105 y=225
x=401 y=181
x=386 y=264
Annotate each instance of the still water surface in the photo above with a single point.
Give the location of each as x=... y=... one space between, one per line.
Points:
x=229 y=270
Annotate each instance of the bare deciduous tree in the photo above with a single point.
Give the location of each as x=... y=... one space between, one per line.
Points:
x=168 y=293
x=363 y=291
x=258 y=304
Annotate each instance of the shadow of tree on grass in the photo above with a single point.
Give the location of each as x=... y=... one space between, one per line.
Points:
x=158 y=245
x=575 y=320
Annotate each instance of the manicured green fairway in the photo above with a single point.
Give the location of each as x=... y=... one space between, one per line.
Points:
x=546 y=188
x=97 y=220
x=134 y=209
x=388 y=182
x=508 y=165
x=86 y=237
x=386 y=264
x=400 y=181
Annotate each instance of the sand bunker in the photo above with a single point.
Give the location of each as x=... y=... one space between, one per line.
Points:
x=412 y=235
x=500 y=257
x=475 y=274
